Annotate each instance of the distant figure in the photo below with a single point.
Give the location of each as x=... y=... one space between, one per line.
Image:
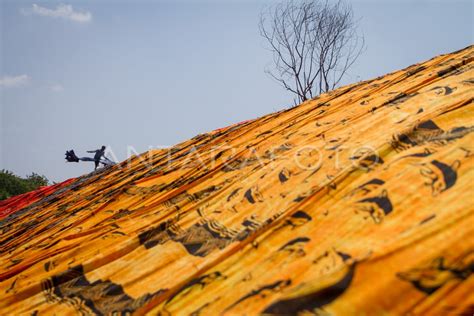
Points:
x=99 y=153
x=99 y=157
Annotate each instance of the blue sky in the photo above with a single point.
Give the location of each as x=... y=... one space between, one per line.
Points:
x=79 y=74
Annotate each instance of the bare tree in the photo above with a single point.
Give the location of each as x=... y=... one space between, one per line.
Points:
x=314 y=43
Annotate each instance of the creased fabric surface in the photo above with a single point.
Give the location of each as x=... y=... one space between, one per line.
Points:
x=359 y=202
x=15 y=203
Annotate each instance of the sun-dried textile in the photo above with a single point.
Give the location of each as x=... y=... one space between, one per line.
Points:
x=15 y=203
x=359 y=202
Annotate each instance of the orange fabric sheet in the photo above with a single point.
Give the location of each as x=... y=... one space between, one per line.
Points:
x=359 y=202
x=15 y=203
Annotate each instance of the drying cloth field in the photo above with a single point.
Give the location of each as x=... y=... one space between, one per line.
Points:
x=357 y=202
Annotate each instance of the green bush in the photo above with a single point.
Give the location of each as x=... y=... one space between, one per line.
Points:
x=11 y=184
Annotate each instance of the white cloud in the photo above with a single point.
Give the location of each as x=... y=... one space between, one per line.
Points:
x=14 y=81
x=64 y=11
x=56 y=87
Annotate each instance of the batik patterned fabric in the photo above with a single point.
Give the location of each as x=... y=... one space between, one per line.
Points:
x=357 y=202
x=22 y=201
